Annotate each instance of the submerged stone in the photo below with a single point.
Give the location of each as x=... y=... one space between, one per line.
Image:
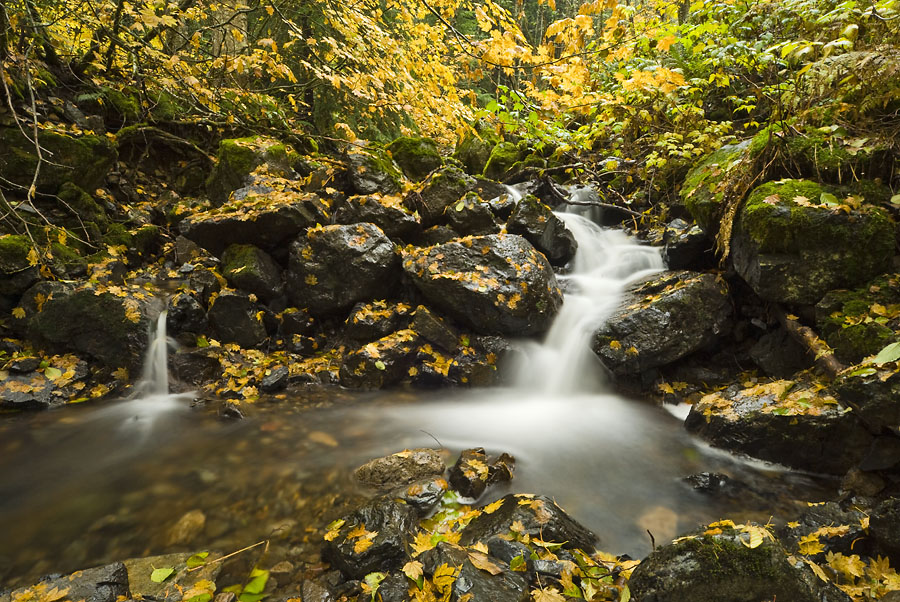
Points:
x=401 y=468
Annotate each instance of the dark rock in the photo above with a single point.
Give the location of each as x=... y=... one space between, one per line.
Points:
x=380 y=363
x=503 y=203
x=110 y=325
x=417 y=157
x=196 y=367
x=186 y=250
x=504 y=549
x=874 y=394
x=721 y=567
x=842 y=533
x=312 y=591
x=469 y=476
x=185 y=165
x=182 y=580
x=884 y=453
x=206 y=284
x=432 y=328
x=442 y=188
x=540 y=517
x=857 y=323
x=687 y=247
x=185 y=314
x=541 y=227
x=370 y=321
x=17 y=273
x=436 y=235
x=401 y=468
x=394 y=588
x=296 y=321
x=782 y=422
x=102 y=584
x=779 y=355
x=387 y=525
x=23 y=365
x=267 y=221
x=333 y=267
x=424 y=495
x=386 y=212
x=237 y=158
x=253 y=270
x=234 y=318
x=372 y=171
x=883 y=523
x=276 y=380
x=791 y=247
x=497 y=284
x=231 y=410
x=506 y=586
x=663 y=318
x=471 y=216
x=30 y=391
x=307 y=346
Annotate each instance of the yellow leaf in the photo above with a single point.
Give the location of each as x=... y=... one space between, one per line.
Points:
x=481 y=561
x=615 y=345
x=665 y=43
x=493 y=506
x=413 y=569
x=311 y=280
x=547 y=595
x=18 y=312
x=33 y=257
x=666 y=388
x=270 y=10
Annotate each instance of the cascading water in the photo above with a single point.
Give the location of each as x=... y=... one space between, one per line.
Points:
x=155 y=377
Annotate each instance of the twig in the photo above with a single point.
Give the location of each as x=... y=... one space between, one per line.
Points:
x=805 y=336
x=220 y=559
x=562 y=198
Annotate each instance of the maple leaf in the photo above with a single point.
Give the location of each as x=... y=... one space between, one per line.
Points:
x=481 y=561
x=547 y=595
x=19 y=313
x=493 y=506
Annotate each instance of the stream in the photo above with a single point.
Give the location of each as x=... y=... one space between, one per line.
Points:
x=82 y=486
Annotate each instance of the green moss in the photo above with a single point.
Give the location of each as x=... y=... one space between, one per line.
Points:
x=773 y=220
x=502 y=158
x=126 y=104
x=14 y=251
x=417 y=157
x=474 y=149
x=706 y=185
x=145 y=239
x=66 y=263
x=238 y=157
x=83 y=204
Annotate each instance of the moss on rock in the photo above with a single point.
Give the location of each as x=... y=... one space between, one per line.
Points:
x=503 y=156
x=474 y=149
x=707 y=185
x=417 y=157
x=237 y=158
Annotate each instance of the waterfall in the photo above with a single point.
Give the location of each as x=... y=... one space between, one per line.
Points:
x=606 y=261
x=155 y=376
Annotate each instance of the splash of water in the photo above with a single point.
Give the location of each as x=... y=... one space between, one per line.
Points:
x=606 y=261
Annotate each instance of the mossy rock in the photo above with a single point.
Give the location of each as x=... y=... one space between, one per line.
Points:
x=117 y=107
x=16 y=270
x=237 y=158
x=503 y=156
x=140 y=242
x=372 y=171
x=474 y=149
x=860 y=322
x=707 y=185
x=82 y=160
x=251 y=269
x=794 y=240
x=86 y=208
x=417 y=157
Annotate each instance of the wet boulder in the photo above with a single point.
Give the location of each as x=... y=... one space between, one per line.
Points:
x=874 y=392
x=253 y=270
x=441 y=189
x=189 y=570
x=197 y=367
x=471 y=216
x=333 y=267
x=82 y=160
x=237 y=158
x=540 y=518
x=235 y=318
x=372 y=171
x=474 y=148
x=484 y=579
x=861 y=322
x=386 y=212
x=433 y=328
x=374 y=538
x=472 y=473
x=108 y=323
x=101 y=584
x=436 y=235
x=719 y=565
x=380 y=363
x=785 y=422
x=686 y=247
x=401 y=468
x=416 y=156
x=18 y=266
x=185 y=315
x=267 y=220
x=779 y=355
x=497 y=284
x=370 y=321
x=663 y=318
x=794 y=240
x=424 y=495
x=503 y=156
x=883 y=527
x=709 y=185
x=544 y=229
x=828 y=528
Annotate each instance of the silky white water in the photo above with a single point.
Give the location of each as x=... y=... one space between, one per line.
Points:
x=155 y=377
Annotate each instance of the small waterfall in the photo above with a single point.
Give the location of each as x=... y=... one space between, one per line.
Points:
x=154 y=380
x=606 y=261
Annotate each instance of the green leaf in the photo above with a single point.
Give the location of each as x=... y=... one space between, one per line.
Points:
x=895 y=199
x=625 y=596
x=202 y=342
x=160 y=575
x=198 y=559
x=460 y=206
x=891 y=353
x=829 y=199
x=864 y=372
x=52 y=373
x=380 y=365
x=257 y=583
x=200 y=598
x=517 y=563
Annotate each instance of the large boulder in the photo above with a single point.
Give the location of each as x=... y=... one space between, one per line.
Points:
x=794 y=240
x=874 y=392
x=101 y=584
x=723 y=564
x=474 y=148
x=484 y=579
x=237 y=158
x=708 y=185
x=785 y=422
x=235 y=318
x=544 y=229
x=333 y=267
x=380 y=363
x=417 y=157
x=442 y=189
x=374 y=538
x=372 y=171
x=386 y=212
x=860 y=322
x=251 y=269
x=266 y=219
x=471 y=216
x=18 y=265
x=503 y=156
x=663 y=318
x=401 y=468
x=497 y=284
x=82 y=160
x=108 y=323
